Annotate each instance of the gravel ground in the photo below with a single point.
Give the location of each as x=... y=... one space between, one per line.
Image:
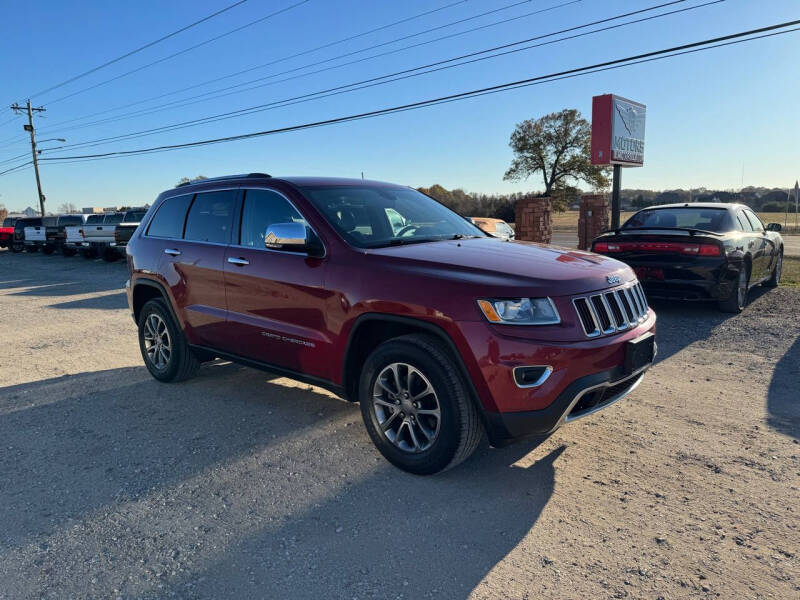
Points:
x=240 y=485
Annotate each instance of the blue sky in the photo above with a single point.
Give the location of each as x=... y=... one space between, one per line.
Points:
x=709 y=114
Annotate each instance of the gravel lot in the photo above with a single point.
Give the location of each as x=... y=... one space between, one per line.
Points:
x=240 y=485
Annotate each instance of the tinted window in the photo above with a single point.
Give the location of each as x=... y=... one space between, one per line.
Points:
x=754 y=221
x=94 y=219
x=210 y=217
x=50 y=221
x=168 y=221
x=133 y=216
x=23 y=223
x=9 y=222
x=360 y=215
x=742 y=223
x=709 y=219
x=112 y=219
x=71 y=220
x=263 y=208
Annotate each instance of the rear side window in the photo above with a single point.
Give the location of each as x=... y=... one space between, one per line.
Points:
x=9 y=222
x=72 y=220
x=754 y=220
x=93 y=219
x=263 y=208
x=211 y=217
x=168 y=221
x=743 y=221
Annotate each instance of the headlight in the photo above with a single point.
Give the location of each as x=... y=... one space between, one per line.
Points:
x=520 y=311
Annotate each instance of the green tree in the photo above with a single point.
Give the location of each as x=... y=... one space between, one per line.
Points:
x=558 y=146
x=188 y=180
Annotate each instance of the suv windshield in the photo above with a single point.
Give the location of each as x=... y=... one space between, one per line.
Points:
x=709 y=219
x=376 y=216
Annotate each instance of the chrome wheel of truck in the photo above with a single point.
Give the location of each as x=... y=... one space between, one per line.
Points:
x=407 y=407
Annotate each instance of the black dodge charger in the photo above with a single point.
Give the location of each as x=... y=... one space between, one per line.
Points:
x=698 y=251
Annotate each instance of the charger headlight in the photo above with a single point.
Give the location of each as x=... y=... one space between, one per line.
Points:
x=520 y=311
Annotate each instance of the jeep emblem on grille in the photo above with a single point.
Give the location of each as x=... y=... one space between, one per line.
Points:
x=612 y=279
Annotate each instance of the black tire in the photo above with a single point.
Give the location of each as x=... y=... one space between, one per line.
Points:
x=32 y=248
x=182 y=363
x=775 y=278
x=87 y=253
x=460 y=428
x=68 y=252
x=48 y=249
x=110 y=255
x=736 y=302
x=17 y=248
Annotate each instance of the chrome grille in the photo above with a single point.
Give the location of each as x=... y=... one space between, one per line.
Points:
x=615 y=310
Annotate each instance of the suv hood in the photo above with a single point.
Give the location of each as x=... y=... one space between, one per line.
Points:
x=556 y=271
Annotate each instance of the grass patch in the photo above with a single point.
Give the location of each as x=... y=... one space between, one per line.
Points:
x=790 y=277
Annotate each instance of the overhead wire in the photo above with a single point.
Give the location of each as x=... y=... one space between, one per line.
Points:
x=693 y=47
x=391 y=77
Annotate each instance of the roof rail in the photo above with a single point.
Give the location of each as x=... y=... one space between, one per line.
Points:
x=223 y=178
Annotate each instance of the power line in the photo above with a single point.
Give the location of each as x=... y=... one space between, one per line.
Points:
x=180 y=52
x=392 y=77
x=17 y=168
x=7 y=160
x=727 y=40
x=140 y=48
x=327 y=45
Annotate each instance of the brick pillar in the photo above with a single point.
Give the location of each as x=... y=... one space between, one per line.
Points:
x=532 y=217
x=593 y=218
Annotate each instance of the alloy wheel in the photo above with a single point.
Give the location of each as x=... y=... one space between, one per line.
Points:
x=407 y=407
x=157 y=343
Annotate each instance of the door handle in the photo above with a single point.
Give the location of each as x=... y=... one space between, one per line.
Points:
x=172 y=251
x=239 y=262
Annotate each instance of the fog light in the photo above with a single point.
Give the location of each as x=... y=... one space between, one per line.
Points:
x=526 y=377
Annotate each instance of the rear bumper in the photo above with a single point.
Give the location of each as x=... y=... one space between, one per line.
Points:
x=700 y=279
x=584 y=396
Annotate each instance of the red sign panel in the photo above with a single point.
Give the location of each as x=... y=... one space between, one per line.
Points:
x=617 y=131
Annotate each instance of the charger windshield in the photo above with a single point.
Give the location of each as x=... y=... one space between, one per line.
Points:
x=374 y=216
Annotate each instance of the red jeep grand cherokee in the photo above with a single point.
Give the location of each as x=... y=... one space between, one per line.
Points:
x=385 y=296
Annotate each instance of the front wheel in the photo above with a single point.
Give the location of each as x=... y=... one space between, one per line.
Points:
x=737 y=299
x=416 y=406
x=164 y=349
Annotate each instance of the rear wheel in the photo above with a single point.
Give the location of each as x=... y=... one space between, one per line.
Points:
x=163 y=345
x=17 y=248
x=737 y=300
x=775 y=279
x=416 y=406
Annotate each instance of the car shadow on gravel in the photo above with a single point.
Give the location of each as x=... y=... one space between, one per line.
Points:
x=783 y=397
x=106 y=302
x=398 y=535
x=681 y=324
x=77 y=444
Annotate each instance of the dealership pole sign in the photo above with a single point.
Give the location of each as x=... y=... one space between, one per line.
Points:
x=617 y=131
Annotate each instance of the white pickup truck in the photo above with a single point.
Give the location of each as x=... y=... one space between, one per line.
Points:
x=35 y=238
x=74 y=234
x=97 y=238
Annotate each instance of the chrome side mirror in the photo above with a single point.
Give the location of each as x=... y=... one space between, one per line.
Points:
x=286 y=236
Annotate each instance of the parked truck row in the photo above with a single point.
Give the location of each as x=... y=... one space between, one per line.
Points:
x=91 y=235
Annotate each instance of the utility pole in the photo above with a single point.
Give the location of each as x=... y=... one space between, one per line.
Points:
x=29 y=128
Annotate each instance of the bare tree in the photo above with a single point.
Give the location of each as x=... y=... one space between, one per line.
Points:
x=183 y=180
x=558 y=146
x=67 y=208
